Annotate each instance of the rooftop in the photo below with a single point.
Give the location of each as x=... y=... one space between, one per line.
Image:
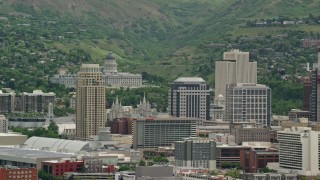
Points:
x=31 y=153
x=189 y=80
x=57 y=145
x=10 y=134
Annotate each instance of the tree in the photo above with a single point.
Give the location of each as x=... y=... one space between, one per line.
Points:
x=233 y=173
x=45 y=176
x=267 y=170
x=124 y=168
x=214 y=173
x=53 y=127
x=160 y=159
x=228 y=165
x=142 y=163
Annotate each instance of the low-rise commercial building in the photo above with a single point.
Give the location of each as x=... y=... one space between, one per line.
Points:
x=268 y=176
x=16 y=173
x=155 y=172
x=59 y=167
x=196 y=153
x=257 y=158
x=28 y=157
x=25 y=122
x=278 y=120
x=229 y=154
x=250 y=134
x=194 y=176
x=11 y=139
x=295 y=114
x=152 y=133
x=223 y=138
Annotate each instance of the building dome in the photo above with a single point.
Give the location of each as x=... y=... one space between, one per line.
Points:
x=110 y=56
x=110 y=65
x=220 y=97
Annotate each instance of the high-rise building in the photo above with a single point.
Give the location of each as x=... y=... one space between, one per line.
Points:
x=3 y=124
x=315 y=91
x=7 y=102
x=37 y=101
x=152 y=133
x=299 y=150
x=234 y=68
x=90 y=100
x=306 y=93
x=248 y=102
x=189 y=97
x=196 y=153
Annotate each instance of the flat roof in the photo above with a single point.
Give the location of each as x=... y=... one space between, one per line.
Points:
x=11 y=134
x=31 y=153
x=189 y=79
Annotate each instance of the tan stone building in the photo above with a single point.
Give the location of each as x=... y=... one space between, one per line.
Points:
x=90 y=101
x=250 y=133
x=234 y=68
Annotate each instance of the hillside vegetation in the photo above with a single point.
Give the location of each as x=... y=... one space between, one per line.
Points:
x=167 y=38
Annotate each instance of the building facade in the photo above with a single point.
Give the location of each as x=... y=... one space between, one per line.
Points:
x=112 y=78
x=229 y=154
x=7 y=102
x=152 y=133
x=296 y=114
x=3 y=124
x=91 y=101
x=69 y=80
x=37 y=101
x=189 y=97
x=257 y=158
x=234 y=68
x=315 y=91
x=121 y=125
x=196 y=153
x=299 y=150
x=250 y=134
x=307 y=88
x=247 y=103
x=16 y=173
x=59 y=167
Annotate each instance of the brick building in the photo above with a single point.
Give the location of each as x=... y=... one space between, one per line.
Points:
x=121 y=125
x=59 y=167
x=257 y=158
x=228 y=154
x=15 y=173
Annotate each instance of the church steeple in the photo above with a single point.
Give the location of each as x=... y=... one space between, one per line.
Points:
x=117 y=101
x=144 y=98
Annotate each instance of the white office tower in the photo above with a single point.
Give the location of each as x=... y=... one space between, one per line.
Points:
x=299 y=150
x=234 y=68
x=248 y=103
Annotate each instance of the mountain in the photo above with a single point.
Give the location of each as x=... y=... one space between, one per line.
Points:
x=164 y=37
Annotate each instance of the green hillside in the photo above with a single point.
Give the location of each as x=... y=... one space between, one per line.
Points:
x=167 y=38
